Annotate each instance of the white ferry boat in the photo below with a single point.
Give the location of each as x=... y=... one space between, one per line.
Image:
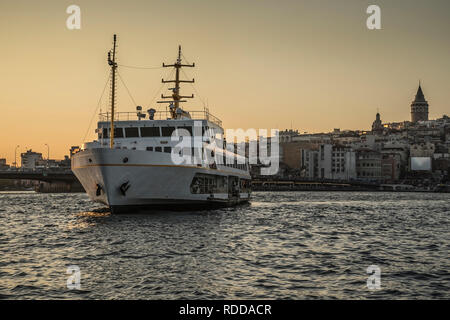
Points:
x=131 y=164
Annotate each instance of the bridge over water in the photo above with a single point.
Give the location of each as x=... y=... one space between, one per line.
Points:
x=49 y=180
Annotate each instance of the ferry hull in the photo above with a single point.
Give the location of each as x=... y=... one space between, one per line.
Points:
x=144 y=181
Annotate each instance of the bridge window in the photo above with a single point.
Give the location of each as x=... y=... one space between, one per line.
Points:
x=149 y=148
x=167 y=131
x=167 y=149
x=105 y=133
x=131 y=132
x=150 y=132
x=118 y=132
x=158 y=149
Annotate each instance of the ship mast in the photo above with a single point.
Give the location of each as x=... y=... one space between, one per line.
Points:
x=176 y=97
x=112 y=62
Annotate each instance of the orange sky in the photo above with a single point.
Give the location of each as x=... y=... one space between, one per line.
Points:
x=312 y=65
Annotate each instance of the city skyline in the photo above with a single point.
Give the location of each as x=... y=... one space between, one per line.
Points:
x=248 y=62
x=419 y=95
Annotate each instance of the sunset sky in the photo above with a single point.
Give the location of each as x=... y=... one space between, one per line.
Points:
x=307 y=64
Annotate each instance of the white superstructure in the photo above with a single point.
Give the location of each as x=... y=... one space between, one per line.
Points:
x=172 y=159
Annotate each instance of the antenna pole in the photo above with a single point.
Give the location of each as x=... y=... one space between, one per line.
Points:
x=176 y=97
x=112 y=62
x=176 y=91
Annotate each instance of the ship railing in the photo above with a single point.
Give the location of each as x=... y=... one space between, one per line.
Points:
x=158 y=115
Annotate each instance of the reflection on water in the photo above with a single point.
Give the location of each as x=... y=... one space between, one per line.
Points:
x=283 y=245
x=94 y=214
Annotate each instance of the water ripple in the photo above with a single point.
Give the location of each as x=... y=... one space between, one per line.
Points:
x=285 y=245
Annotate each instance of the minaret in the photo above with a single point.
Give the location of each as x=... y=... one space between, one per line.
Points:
x=419 y=107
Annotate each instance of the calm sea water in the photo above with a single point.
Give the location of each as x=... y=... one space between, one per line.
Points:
x=287 y=245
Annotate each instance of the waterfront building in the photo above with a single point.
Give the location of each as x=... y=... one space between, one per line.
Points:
x=336 y=162
x=31 y=159
x=3 y=165
x=368 y=141
x=391 y=166
x=316 y=138
x=310 y=163
x=347 y=138
x=368 y=164
x=422 y=150
x=287 y=135
x=441 y=161
x=291 y=153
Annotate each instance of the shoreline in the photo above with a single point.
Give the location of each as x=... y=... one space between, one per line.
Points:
x=348 y=190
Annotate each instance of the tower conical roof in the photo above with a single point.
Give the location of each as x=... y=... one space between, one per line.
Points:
x=419 y=95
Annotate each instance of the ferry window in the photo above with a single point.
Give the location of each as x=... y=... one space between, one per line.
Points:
x=158 y=149
x=149 y=148
x=167 y=131
x=189 y=129
x=131 y=132
x=105 y=133
x=167 y=149
x=150 y=132
x=118 y=132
